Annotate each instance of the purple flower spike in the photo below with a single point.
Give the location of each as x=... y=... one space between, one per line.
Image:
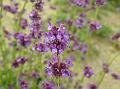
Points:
x=88 y=72
x=56 y=39
x=58 y=69
x=35 y=25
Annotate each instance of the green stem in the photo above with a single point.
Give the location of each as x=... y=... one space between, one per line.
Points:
x=59 y=82
x=103 y=74
x=96 y=12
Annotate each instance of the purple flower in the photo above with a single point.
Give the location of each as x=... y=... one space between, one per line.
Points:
x=100 y=2
x=116 y=36
x=22 y=39
x=95 y=25
x=23 y=84
x=58 y=69
x=106 y=68
x=88 y=72
x=35 y=74
x=39 y=5
x=35 y=25
x=57 y=39
x=81 y=3
x=92 y=86
x=83 y=48
x=49 y=85
x=11 y=9
x=115 y=76
x=24 y=23
x=18 y=61
x=80 y=22
x=76 y=44
x=40 y=47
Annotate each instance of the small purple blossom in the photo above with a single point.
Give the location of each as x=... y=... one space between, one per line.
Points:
x=18 y=61
x=88 y=72
x=92 y=86
x=23 y=84
x=106 y=68
x=80 y=22
x=81 y=3
x=40 y=47
x=100 y=2
x=115 y=76
x=116 y=36
x=39 y=5
x=35 y=74
x=95 y=25
x=11 y=9
x=49 y=85
x=22 y=39
x=23 y=23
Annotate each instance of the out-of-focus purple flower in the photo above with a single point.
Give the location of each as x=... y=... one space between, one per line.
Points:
x=40 y=47
x=92 y=86
x=99 y=2
x=35 y=74
x=23 y=84
x=116 y=36
x=81 y=3
x=69 y=60
x=39 y=5
x=83 y=48
x=88 y=72
x=76 y=44
x=11 y=9
x=35 y=25
x=80 y=22
x=106 y=68
x=69 y=22
x=24 y=23
x=8 y=35
x=22 y=39
x=18 y=61
x=115 y=76
x=49 y=85
x=10 y=86
x=95 y=25
x=57 y=39
x=58 y=69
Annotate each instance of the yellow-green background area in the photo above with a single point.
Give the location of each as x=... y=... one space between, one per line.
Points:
x=107 y=51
